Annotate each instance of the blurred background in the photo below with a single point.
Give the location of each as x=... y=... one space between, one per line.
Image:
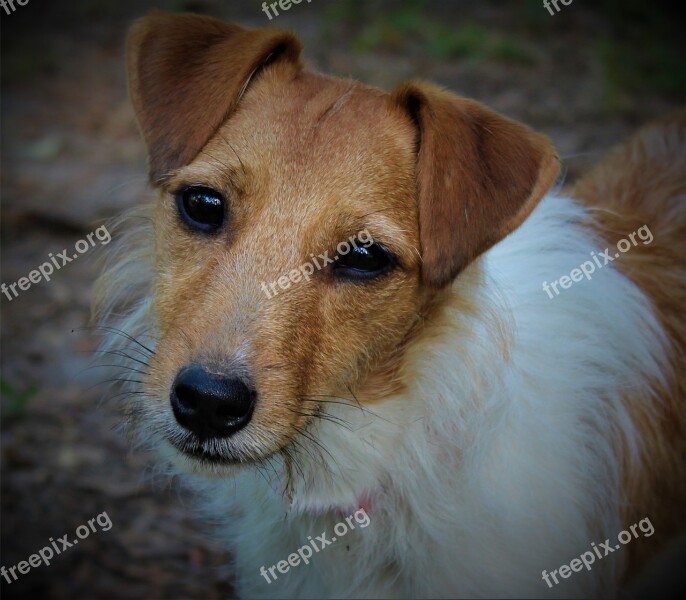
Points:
x=71 y=156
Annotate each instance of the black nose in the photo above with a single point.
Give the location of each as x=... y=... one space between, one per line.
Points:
x=211 y=405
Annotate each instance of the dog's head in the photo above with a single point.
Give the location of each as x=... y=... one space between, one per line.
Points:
x=304 y=226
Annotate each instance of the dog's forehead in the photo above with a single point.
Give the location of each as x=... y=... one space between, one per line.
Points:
x=315 y=148
x=315 y=121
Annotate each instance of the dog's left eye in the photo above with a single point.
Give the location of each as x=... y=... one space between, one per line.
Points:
x=364 y=262
x=201 y=207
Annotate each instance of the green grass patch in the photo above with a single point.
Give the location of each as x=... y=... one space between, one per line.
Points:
x=15 y=401
x=410 y=23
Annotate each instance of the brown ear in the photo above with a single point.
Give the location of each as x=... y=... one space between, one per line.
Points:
x=479 y=177
x=187 y=74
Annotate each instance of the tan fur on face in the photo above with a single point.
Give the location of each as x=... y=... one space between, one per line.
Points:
x=644 y=183
x=306 y=161
x=296 y=185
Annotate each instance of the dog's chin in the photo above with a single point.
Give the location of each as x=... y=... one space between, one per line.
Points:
x=204 y=458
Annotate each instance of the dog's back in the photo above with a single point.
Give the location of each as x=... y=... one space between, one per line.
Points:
x=644 y=182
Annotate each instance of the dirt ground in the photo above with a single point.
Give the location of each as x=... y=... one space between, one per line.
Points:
x=71 y=157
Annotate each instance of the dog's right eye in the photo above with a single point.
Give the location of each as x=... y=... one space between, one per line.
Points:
x=201 y=208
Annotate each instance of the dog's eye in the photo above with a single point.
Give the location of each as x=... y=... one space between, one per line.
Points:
x=364 y=262
x=201 y=207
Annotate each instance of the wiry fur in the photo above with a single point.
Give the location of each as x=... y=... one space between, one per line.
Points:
x=502 y=458
x=644 y=181
x=491 y=431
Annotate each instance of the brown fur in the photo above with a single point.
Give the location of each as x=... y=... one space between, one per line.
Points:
x=436 y=178
x=480 y=175
x=186 y=76
x=644 y=183
x=300 y=175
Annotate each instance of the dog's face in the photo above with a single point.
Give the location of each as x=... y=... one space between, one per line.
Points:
x=312 y=166
x=304 y=226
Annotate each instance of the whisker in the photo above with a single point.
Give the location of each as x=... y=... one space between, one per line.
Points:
x=325 y=417
x=116 y=353
x=316 y=442
x=304 y=448
x=263 y=474
x=295 y=462
x=125 y=367
x=344 y=403
x=116 y=379
x=214 y=158
x=269 y=462
x=130 y=393
x=118 y=332
x=357 y=405
x=354 y=397
x=236 y=153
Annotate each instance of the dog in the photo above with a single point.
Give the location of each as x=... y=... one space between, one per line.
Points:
x=490 y=432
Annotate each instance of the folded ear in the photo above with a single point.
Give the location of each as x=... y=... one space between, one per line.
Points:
x=187 y=74
x=479 y=177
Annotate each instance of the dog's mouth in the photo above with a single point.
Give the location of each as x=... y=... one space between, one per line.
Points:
x=210 y=452
x=206 y=456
